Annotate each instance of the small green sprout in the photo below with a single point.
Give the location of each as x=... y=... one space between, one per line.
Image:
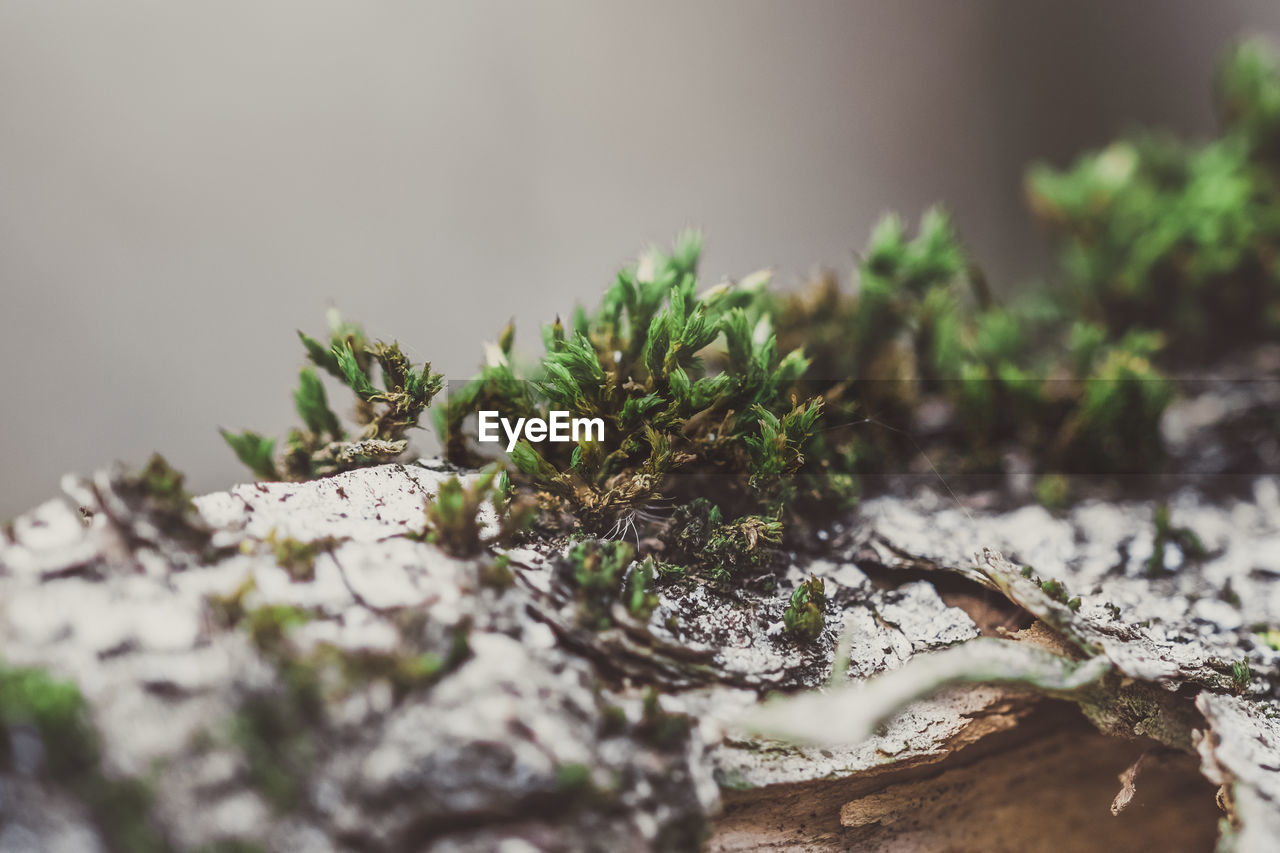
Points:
x=1055 y=590
x=803 y=617
x=573 y=777
x=453 y=517
x=1241 y=675
x=496 y=574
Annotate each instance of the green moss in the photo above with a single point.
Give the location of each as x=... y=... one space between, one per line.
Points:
x=1241 y=675
x=58 y=714
x=1165 y=535
x=640 y=598
x=573 y=778
x=1053 y=491
x=296 y=557
x=453 y=517
x=275 y=734
x=699 y=535
x=694 y=393
x=269 y=625
x=1179 y=238
x=228 y=610
x=658 y=727
x=391 y=395
x=595 y=569
x=735 y=417
x=803 y=617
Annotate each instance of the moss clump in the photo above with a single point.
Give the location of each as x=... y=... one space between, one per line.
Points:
x=56 y=711
x=693 y=390
x=803 y=618
x=1055 y=590
x=639 y=596
x=597 y=572
x=391 y=395
x=699 y=536
x=1180 y=238
x=496 y=573
x=923 y=327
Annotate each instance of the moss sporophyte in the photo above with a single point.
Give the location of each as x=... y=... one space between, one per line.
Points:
x=727 y=421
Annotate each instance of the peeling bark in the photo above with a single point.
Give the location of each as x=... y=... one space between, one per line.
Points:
x=948 y=692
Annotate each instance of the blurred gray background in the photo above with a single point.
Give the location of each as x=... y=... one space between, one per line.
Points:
x=184 y=184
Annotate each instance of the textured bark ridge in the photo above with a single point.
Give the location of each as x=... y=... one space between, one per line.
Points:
x=292 y=667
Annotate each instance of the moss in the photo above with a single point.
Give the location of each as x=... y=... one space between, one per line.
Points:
x=613 y=721
x=1180 y=238
x=407 y=670
x=1054 y=589
x=1184 y=538
x=227 y=611
x=268 y=626
x=573 y=778
x=803 y=617
x=391 y=395
x=157 y=490
x=699 y=535
x=595 y=570
x=1053 y=491
x=736 y=417
x=678 y=421
x=453 y=518
x=58 y=714
x=660 y=728
x=639 y=595
x=496 y=573
x=275 y=735
x=296 y=557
